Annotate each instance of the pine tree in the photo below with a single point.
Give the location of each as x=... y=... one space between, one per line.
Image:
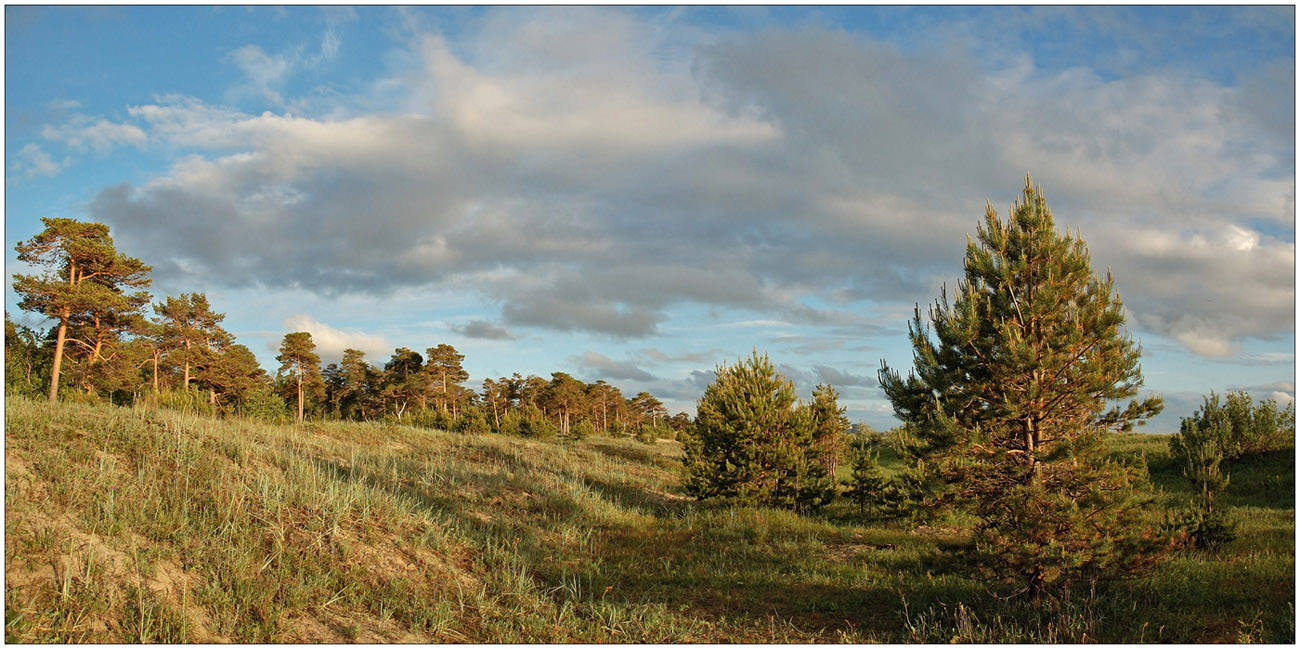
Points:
x=403 y=378
x=443 y=366
x=357 y=382
x=192 y=331
x=86 y=283
x=752 y=442
x=1008 y=405
x=829 y=426
x=299 y=359
x=867 y=486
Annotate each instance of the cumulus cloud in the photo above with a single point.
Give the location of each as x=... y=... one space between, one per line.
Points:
x=331 y=341
x=574 y=169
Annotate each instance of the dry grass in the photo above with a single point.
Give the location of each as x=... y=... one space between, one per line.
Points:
x=134 y=525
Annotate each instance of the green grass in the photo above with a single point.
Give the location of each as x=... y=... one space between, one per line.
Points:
x=134 y=525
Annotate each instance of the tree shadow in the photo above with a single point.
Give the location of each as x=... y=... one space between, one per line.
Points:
x=632 y=454
x=673 y=559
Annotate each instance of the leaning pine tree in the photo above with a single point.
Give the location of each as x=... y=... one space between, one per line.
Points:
x=1029 y=370
x=752 y=443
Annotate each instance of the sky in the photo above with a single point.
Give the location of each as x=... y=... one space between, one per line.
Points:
x=640 y=194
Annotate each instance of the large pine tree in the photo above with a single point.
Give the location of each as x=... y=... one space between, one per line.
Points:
x=298 y=358
x=1028 y=370
x=86 y=285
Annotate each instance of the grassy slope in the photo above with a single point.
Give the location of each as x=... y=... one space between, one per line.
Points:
x=126 y=525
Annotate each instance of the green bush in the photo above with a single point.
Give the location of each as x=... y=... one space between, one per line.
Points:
x=752 y=443
x=617 y=429
x=511 y=422
x=473 y=422
x=432 y=418
x=1206 y=528
x=263 y=404
x=534 y=424
x=646 y=434
x=1235 y=427
x=582 y=430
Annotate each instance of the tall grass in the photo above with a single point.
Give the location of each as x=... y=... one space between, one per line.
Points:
x=142 y=525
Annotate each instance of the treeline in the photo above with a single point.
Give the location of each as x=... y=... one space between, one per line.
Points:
x=110 y=341
x=426 y=390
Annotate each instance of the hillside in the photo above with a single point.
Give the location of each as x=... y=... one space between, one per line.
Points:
x=128 y=525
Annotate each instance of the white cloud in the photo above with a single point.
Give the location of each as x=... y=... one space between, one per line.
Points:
x=82 y=133
x=264 y=73
x=32 y=161
x=330 y=341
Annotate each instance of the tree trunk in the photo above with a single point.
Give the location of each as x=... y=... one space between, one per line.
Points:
x=186 y=383
x=58 y=355
x=300 y=394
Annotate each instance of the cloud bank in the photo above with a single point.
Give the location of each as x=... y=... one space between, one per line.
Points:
x=588 y=173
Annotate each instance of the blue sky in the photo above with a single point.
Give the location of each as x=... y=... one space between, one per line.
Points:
x=638 y=194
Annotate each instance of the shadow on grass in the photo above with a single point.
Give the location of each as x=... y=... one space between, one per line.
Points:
x=677 y=557
x=647 y=455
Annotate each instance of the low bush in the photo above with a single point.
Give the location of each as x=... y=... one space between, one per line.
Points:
x=472 y=422
x=1236 y=427
x=263 y=404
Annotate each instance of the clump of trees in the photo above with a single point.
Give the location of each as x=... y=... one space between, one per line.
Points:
x=106 y=343
x=102 y=336
x=88 y=288
x=752 y=442
x=1008 y=406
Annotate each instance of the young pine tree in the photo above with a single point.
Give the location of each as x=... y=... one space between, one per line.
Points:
x=867 y=486
x=1009 y=407
x=752 y=443
x=829 y=426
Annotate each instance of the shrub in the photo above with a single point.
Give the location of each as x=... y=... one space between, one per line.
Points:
x=511 y=422
x=533 y=423
x=646 y=434
x=582 y=430
x=433 y=418
x=618 y=429
x=472 y=422
x=1233 y=428
x=263 y=404
x=1206 y=528
x=1201 y=447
